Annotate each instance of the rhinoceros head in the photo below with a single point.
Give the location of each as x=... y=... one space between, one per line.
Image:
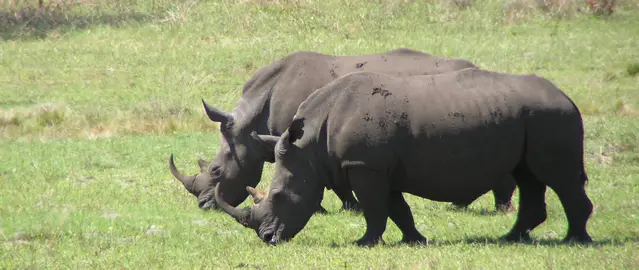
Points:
x=237 y=164
x=196 y=184
x=293 y=194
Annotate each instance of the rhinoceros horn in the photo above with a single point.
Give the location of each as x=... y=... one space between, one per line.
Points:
x=241 y=215
x=187 y=181
x=215 y=114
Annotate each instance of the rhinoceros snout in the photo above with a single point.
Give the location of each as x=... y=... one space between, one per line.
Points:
x=273 y=242
x=269 y=239
x=207 y=205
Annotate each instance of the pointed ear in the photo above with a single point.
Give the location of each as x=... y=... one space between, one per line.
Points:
x=296 y=130
x=257 y=195
x=267 y=143
x=203 y=164
x=216 y=115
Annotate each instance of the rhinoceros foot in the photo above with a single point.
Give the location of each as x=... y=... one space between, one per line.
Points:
x=515 y=236
x=415 y=240
x=579 y=239
x=369 y=241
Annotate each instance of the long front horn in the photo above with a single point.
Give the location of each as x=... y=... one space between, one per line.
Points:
x=215 y=114
x=187 y=181
x=241 y=215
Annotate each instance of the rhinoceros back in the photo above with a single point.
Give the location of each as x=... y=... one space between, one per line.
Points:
x=443 y=129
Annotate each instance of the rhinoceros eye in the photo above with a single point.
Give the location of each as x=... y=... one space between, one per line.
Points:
x=216 y=171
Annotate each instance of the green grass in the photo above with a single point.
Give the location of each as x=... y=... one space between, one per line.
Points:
x=93 y=102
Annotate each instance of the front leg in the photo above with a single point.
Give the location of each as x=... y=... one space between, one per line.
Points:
x=503 y=192
x=373 y=190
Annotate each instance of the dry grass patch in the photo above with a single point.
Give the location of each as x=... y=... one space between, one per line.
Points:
x=60 y=121
x=179 y=13
x=40 y=115
x=516 y=10
x=601 y=7
x=32 y=19
x=633 y=69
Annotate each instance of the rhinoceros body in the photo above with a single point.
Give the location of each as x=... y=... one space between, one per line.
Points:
x=269 y=101
x=446 y=137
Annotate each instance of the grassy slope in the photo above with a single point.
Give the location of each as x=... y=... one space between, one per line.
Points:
x=69 y=200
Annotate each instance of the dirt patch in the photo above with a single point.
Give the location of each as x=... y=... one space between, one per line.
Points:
x=368 y=118
x=383 y=92
x=155 y=230
x=360 y=65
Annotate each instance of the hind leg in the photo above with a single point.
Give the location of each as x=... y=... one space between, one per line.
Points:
x=578 y=208
x=567 y=177
x=503 y=192
x=563 y=171
x=555 y=155
x=532 y=204
x=401 y=215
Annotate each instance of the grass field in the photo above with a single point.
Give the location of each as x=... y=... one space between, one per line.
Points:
x=94 y=99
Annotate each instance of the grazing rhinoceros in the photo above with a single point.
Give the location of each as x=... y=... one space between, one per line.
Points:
x=444 y=137
x=268 y=103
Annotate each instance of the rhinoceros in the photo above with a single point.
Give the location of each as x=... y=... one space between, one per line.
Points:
x=268 y=103
x=444 y=137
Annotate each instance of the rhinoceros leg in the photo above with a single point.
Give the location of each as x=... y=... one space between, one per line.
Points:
x=372 y=190
x=503 y=193
x=578 y=208
x=345 y=194
x=557 y=161
x=568 y=182
x=402 y=216
x=532 y=204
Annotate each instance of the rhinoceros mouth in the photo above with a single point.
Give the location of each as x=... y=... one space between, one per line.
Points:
x=274 y=236
x=207 y=204
x=268 y=236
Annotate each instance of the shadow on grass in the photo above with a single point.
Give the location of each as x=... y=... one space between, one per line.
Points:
x=34 y=23
x=497 y=241
x=535 y=242
x=480 y=212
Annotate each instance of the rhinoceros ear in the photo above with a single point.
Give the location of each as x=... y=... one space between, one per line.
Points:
x=203 y=164
x=295 y=130
x=216 y=115
x=257 y=195
x=267 y=143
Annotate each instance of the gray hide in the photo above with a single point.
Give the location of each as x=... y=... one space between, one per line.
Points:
x=269 y=101
x=445 y=137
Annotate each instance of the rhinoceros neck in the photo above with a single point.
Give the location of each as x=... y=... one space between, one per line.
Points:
x=252 y=110
x=251 y=115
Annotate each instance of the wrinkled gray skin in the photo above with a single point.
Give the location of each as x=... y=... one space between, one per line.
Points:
x=443 y=137
x=269 y=101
